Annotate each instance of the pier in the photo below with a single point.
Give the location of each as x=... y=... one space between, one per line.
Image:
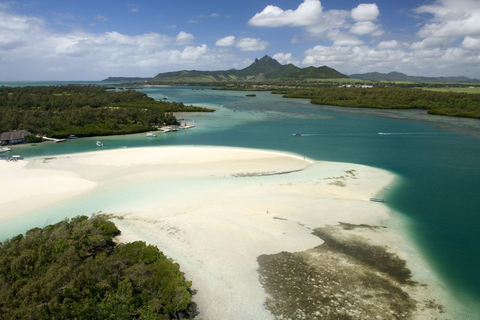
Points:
x=53 y=139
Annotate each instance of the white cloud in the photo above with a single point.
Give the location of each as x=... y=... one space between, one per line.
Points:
x=307 y=13
x=340 y=38
x=431 y=43
x=451 y=19
x=365 y=12
x=392 y=44
x=226 y=42
x=471 y=43
x=251 y=44
x=319 y=22
x=193 y=54
x=430 y=62
x=285 y=58
x=365 y=27
x=30 y=50
x=184 y=38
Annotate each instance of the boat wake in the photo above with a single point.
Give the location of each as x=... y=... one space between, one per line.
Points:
x=401 y=133
x=310 y=134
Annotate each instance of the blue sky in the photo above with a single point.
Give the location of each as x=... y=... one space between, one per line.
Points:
x=92 y=40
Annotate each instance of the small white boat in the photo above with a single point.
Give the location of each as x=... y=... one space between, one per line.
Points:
x=99 y=144
x=165 y=130
x=297 y=134
x=151 y=135
x=5 y=149
x=377 y=200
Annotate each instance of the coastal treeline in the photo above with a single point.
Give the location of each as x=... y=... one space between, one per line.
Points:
x=74 y=270
x=440 y=103
x=59 y=111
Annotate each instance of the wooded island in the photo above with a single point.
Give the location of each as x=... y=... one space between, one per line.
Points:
x=60 y=111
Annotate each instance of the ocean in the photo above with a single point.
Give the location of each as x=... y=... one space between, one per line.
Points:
x=436 y=192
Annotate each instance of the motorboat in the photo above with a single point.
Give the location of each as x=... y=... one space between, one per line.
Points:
x=297 y=134
x=99 y=144
x=151 y=135
x=5 y=149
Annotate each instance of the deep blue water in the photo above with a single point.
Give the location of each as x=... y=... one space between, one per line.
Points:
x=439 y=173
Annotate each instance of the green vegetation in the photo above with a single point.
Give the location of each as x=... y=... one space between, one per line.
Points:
x=469 y=89
x=58 y=111
x=439 y=103
x=74 y=270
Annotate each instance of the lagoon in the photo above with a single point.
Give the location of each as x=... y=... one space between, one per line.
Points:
x=436 y=192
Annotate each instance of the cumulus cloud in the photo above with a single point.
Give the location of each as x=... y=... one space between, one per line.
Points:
x=364 y=15
x=307 y=13
x=366 y=27
x=30 y=50
x=184 y=38
x=451 y=19
x=251 y=44
x=319 y=22
x=226 y=42
x=359 y=59
x=471 y=43
x=285 y=58
x=392 y=44
x=365 y=12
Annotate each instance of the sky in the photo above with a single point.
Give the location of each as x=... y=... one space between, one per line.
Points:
x=92 y=40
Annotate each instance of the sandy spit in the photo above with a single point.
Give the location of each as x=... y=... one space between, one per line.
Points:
x=225 y=208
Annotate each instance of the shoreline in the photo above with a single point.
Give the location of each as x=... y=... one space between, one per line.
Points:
x=218 y=209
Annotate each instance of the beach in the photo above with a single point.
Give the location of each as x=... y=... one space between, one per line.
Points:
x=232 y=216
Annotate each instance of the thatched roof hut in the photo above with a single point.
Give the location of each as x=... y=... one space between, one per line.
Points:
x=14 y=137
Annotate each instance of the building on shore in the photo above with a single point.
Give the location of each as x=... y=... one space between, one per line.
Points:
x=14 y=137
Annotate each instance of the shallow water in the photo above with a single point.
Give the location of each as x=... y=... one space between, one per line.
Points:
x=437 y=189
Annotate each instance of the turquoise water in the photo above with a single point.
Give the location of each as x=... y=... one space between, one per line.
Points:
x=438 y=185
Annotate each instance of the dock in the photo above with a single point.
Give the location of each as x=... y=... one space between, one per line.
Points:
x=53 y=139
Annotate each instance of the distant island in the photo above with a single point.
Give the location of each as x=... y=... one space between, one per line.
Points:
x=265 y=69
x=398 y=76
x=269 y=70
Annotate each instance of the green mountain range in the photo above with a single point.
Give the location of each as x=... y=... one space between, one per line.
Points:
x=265 y=69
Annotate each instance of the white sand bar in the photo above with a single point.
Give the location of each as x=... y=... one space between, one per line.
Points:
x=214 y=210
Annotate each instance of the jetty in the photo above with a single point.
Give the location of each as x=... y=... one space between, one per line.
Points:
x=53 y=139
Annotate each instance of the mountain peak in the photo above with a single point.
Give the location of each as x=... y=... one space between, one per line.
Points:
x=263 y=65
x=265 y=68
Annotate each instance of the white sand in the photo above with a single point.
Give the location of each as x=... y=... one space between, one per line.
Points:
x=222 y=208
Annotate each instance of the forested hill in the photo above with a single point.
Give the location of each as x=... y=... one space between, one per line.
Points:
x=265 y=69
